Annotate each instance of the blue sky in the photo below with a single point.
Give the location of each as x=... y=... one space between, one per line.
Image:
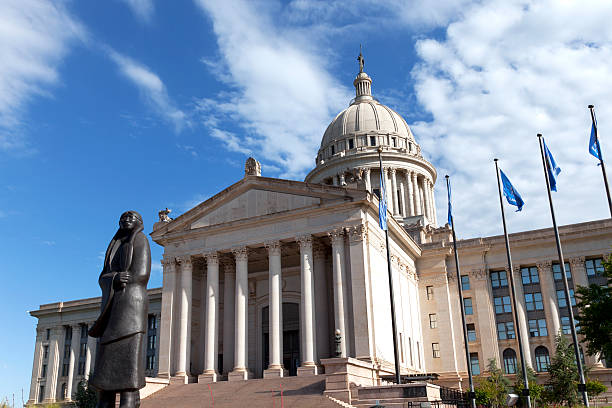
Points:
x=144 y=104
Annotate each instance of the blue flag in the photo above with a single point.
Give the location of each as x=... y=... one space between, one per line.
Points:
x=382 y=203
x=450 y=207
x=551 y=167
x=593 y=142
x=513 y=196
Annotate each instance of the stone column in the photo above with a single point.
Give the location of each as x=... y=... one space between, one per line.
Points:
x=410 y=196
x=389 y=189
x=402 y=194
x=212 y=323
x=322 y=304
x=308 y=366
x=90 y=352
x=38 y=351
x=240 y=371
x=368 y=181
x=426 y=209
x=337 y=239
x=74 y=347
x=184 y=340
x=275 y=368
x=396 y=209
x=229 y=307
x=549 y=296
x=417 y=196
x=522 y=315
x=167 y=340
x=53 y=365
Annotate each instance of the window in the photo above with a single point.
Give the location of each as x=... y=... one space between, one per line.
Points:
x=537 y=328
x=465 y=282
x=565 y=325
x=48 y=334
x=41 y=393
x=65 y=368
x=594 y=267
x=151 y=362
x=433 y=320
x=394 y=142
x=502 y=304
x=81 y=368
x=45 y=351
x=530 y=275
x=557 y=271
x=499 y=279
x=351 y=143
x=562 y=300
x=474 y=363
x=435 y=348
x=542 y=359
x=430 y=292
x=83 y=350
x=372 y=140
x=505 y=330
x=509 y=361
x=151 y=342
x=84 y=332
x=471 y=332
x=467 y=303
x=533 y=301
x=333 y=150
x=43 y=372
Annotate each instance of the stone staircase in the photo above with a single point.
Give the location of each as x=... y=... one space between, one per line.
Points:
x=257 y=393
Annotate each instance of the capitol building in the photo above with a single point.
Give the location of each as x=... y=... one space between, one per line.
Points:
x=259 y=278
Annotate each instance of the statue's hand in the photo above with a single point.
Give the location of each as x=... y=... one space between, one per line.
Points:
x=122 y=279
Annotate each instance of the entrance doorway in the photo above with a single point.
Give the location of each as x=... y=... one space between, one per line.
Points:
x=291 y=337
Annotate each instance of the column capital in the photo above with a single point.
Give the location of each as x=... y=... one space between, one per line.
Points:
x=229 y=265
x=392 y=170
x=577 y=261
x=240 y=253
x=544 y=266
x=184 y=261
x=318 y=250
x=211 y=257
x=367 y=170
x=273 y=247
x=357 y=233
x=167 y=261
x=336 y=235
x=305 y=241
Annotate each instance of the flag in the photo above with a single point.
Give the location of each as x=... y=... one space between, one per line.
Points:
x=382 y=203
x=450 y=207
x=513 y=196
x=593 y=148
x=551 y=167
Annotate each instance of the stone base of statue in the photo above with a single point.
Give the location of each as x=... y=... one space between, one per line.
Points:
x=207 y=377
x=307 y=370
x=240 y=374
x=275 y=372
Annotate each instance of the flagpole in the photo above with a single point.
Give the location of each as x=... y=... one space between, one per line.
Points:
x=391 y=296
x=581 y=386
x=601 y=162
x=472 y=394
x=517 y=327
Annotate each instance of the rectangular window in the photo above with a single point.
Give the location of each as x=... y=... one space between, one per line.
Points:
x=151 y=362
x=81 y=368
x=533 y=301
x=537 y=328
x=333 y=150
x=45 y=351
x=557 y=271
x=430 y=292
x=43 y=372
x=565 y=325
x=474 y=363
x=41 y=393
x=394 y=142
x=65 y=367
x=351 y=143
x=152 y=322
x=505 y=330
x=84 y=332
x=529 y=275
x=594 y=267
x=433 y=320
x=471 y=332
x=48 y=334
x=67 y=351
x=465 y=282
x=562 y=300
x=499 y=279
x=151 y=342
x=372 y=140
x=435 y=348
x=467 y=302
x=502 y=304
x=83 y=350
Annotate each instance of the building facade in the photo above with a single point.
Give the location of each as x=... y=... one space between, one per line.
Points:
x=258 y=279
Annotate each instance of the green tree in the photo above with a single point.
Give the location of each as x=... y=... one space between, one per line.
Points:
x=493 y=390
x=594 y=387
x=594 y=305
x=535 y=390
x=85 y=397
x=563 y=381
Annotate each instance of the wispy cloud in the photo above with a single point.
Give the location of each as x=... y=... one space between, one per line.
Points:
x=142 y=9
x=35 y=36
x=151 y=88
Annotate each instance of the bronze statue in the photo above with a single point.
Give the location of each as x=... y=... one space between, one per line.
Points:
x=122 y=324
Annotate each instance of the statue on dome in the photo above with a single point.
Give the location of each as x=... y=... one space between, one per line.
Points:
x=121 y=327
x=361 y=60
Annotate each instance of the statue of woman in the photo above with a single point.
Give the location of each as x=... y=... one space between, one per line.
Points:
x=122 y=324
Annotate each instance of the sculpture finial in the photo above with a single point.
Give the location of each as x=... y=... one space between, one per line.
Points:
x=361 y=60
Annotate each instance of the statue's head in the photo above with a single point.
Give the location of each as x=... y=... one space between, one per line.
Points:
x=130 y=220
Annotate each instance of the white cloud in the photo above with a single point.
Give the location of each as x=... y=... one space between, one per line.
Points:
x=505 y=71
x=282 y=97
x=142 y=9
x=35 y=36
x=151 y=88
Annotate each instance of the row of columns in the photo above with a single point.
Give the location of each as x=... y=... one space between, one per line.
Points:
x=178 y=281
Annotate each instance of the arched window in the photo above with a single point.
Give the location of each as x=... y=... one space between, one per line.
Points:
x=509 y=361
x=542 y=359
